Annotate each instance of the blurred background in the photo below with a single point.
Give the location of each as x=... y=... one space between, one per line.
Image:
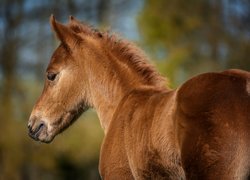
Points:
x=182 y=38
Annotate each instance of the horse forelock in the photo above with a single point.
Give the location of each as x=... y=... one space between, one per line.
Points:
x=127 y=52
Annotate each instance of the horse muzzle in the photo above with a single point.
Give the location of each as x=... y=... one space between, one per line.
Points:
x=38 y=130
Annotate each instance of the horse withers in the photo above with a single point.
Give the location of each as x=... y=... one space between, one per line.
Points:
x=201 y=130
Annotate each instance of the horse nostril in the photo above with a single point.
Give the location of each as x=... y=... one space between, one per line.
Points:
x=40 y=126
x=37 y=129
x=29 y=126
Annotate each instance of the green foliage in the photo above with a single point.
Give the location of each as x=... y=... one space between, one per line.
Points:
x=191 y=37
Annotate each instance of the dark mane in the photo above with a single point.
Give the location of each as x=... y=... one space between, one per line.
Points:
x=128 y=52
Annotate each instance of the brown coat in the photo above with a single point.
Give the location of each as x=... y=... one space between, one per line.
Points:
x=199 y=131
x=203 y=125
x=213 y=114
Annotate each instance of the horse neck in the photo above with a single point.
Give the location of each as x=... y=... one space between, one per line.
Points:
x=109 y=81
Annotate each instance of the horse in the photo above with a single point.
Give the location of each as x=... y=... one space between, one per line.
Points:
x=200 y=130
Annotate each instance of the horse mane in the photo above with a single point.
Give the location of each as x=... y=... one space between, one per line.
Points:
x=128 y=52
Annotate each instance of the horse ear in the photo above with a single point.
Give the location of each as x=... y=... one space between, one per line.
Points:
x=73 y=20
x=78 y=26
x=75 y=25
x=63 y=33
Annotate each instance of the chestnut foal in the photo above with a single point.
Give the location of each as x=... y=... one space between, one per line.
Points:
x=199 y=131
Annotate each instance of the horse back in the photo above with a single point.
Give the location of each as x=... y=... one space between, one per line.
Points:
x=213 y=125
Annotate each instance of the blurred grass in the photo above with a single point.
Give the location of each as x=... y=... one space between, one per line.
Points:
x=76 y=149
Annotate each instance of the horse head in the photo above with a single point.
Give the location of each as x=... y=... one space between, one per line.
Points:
x=64 y=97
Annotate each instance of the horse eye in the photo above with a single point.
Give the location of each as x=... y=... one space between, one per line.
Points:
x=51 y=76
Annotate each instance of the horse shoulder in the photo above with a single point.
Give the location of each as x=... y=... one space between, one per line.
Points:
x=113 y=159
x=143 y=113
